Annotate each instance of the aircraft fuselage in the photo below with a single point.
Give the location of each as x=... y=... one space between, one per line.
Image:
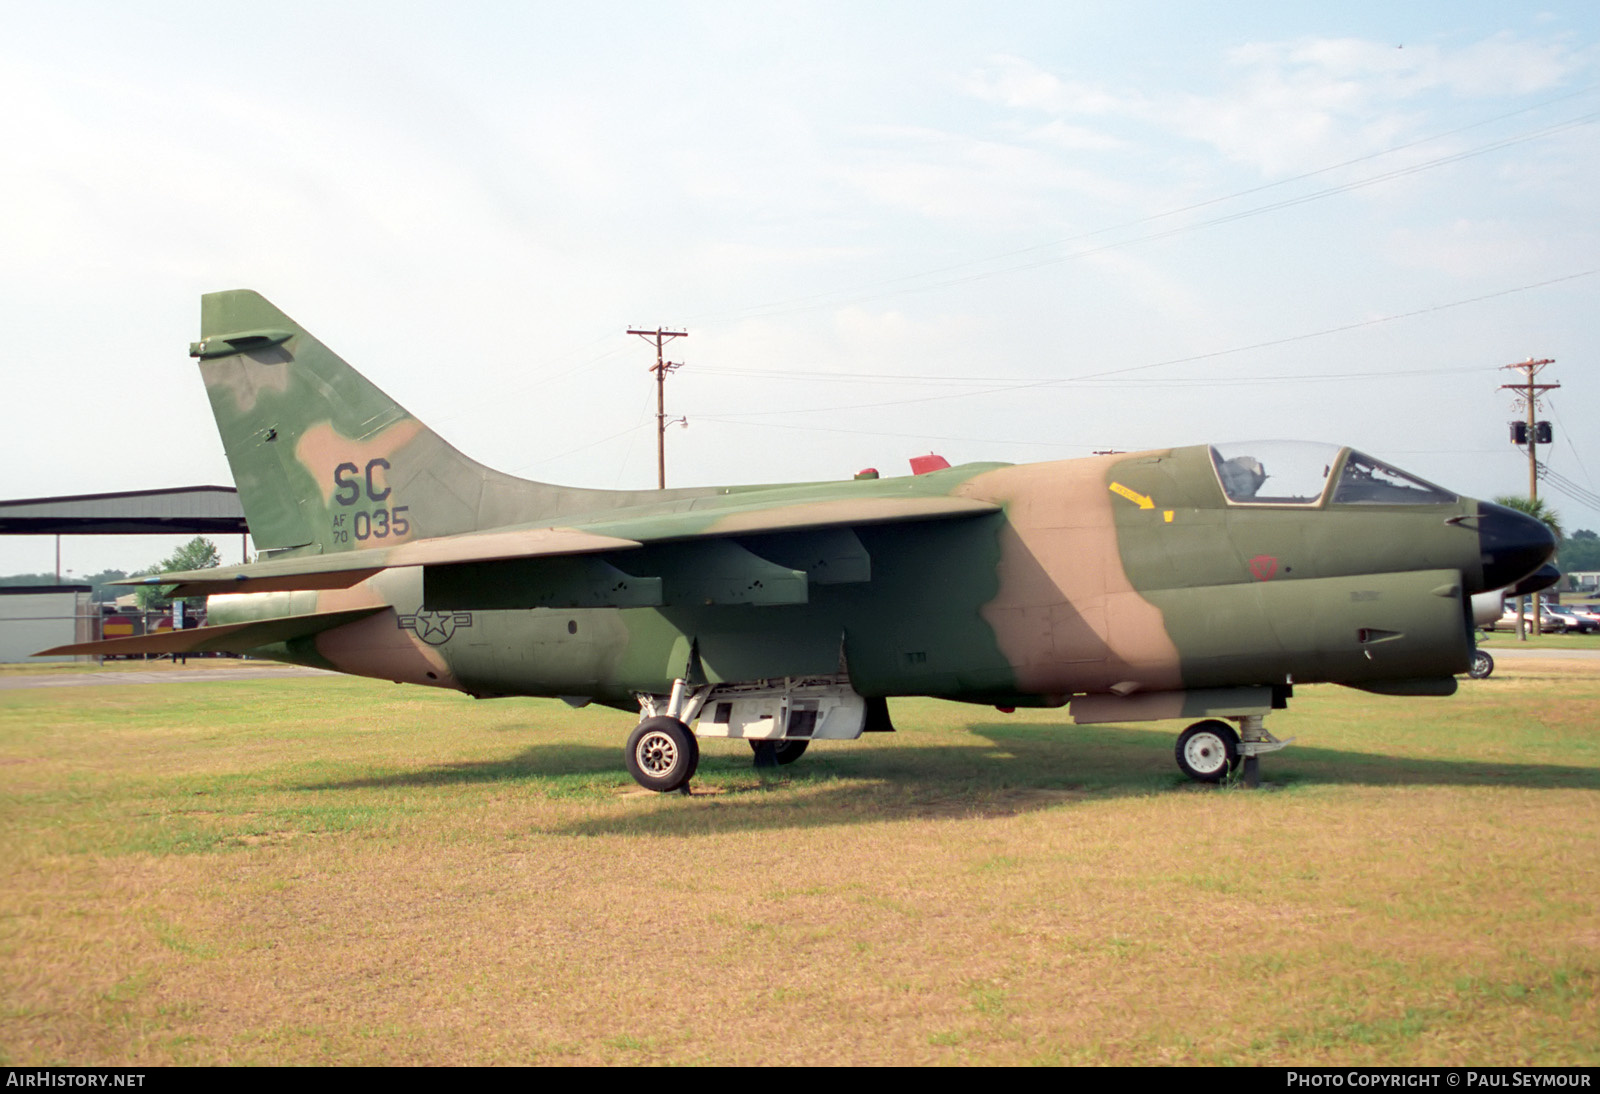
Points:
x=1127 y=573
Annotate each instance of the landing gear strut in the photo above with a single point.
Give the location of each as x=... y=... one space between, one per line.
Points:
x=663 y=752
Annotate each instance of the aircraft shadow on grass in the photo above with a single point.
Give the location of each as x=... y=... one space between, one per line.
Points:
x=1017 y=770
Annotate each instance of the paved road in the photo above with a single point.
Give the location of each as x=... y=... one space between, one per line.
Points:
x=1514 y=652
x=156 y=676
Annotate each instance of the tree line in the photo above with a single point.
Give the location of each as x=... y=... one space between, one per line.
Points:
x=198 y=554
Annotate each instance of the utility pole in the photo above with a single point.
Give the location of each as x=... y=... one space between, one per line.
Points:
x=1532 y=433
x=661 y=368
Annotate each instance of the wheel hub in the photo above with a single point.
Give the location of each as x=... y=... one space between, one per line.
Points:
x=1205 y=753
x=657 y=753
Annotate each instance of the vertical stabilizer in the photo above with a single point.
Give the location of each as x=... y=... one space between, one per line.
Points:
x=323 y=459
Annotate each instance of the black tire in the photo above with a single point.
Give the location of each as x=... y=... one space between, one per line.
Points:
x=1208 y=750
x=1482 y=665
x=662 y=754
x=772 y=753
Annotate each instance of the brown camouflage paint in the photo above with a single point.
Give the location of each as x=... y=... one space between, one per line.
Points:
x=322 y=448
x=1066 y=615
x=378 y=646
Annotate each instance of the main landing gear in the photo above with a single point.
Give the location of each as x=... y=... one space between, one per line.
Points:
x=780 y=717
x=1210 y=751
x=663 y=754
x=663 y=751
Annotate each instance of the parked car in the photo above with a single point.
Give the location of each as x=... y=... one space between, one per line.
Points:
x=1549 y=622
x=1576 y=620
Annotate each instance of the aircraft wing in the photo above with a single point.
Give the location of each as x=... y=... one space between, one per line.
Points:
x=620 y=531
x=729 y=550
x=756 y=517
x=228 y=638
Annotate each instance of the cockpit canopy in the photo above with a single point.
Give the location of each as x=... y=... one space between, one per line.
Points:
x=1309 y=473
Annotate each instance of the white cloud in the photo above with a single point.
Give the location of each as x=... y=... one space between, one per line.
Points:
x=947 y=175
x=1466 y=250
x=472 y=206
x=1071 y=138
x=1021 y=85
x=1289 y=106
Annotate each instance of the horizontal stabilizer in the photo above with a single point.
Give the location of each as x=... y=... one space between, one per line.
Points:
x=349 y=568
x=227 y=638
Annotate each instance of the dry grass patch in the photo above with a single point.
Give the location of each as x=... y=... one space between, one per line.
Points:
x=319 y=871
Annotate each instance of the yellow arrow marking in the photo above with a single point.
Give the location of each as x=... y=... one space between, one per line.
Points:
x=1132 y=495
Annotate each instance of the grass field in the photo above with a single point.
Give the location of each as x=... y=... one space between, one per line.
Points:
x=340 y=871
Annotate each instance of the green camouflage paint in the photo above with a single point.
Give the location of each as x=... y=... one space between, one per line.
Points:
x=1132 y=579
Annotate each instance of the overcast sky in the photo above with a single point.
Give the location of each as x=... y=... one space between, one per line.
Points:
x=998 y=232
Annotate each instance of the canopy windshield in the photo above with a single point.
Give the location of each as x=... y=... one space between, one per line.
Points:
x=1299 y=473
x=1275 y=472
x=1366 y=481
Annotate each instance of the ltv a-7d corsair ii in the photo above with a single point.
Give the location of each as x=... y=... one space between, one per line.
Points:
x=1200 y=583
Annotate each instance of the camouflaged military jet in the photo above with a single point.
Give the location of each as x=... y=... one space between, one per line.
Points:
x=1199 y=583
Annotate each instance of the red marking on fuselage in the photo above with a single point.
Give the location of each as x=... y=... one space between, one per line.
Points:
x=1264 y=567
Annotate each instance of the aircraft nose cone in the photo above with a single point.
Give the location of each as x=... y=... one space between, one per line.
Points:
x=1513 y=544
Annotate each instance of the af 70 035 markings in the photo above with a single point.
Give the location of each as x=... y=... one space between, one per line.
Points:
x=366 y=523
x=1199 y=582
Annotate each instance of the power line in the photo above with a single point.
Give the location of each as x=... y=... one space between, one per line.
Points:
x=1571 y=489
x=550 y=373
x=633 y=438
x=1567 y=436
x=1196 y=205
x=837 y=299
x=580 y=448
x=901 y=379
x=731 y=420
x=541 y=377
x=1033 y=384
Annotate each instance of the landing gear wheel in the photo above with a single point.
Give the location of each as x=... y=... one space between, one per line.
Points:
x=1208 y=750
x=662 y=754
x=773 y=753
x=1482 y=665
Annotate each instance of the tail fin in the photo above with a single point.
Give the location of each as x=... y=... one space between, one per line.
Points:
x=324 y=460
